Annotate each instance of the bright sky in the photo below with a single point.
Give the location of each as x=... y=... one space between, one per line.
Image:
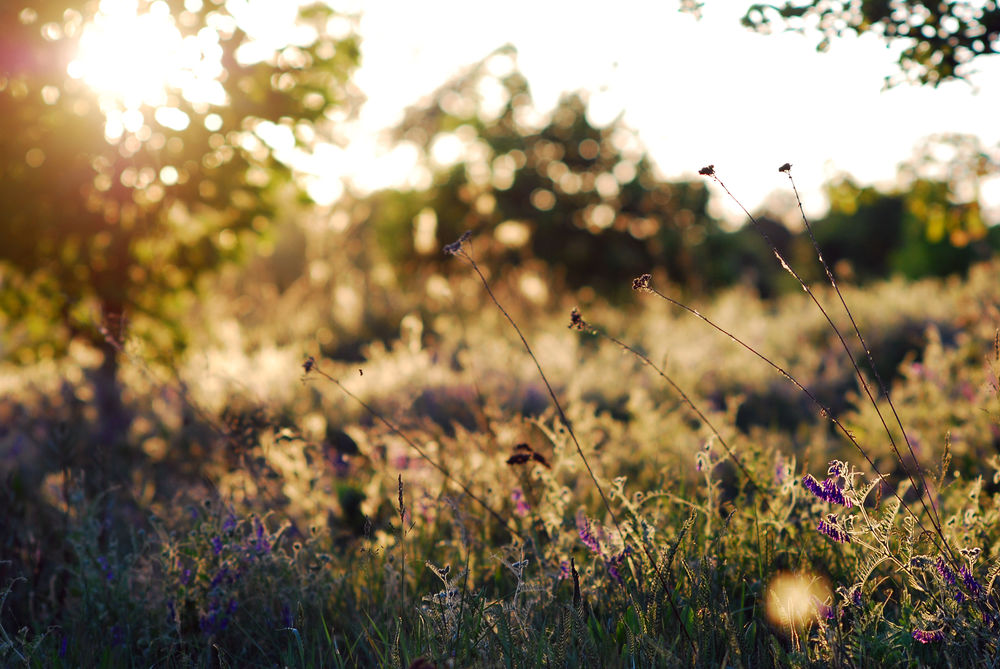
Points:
x=697 y=92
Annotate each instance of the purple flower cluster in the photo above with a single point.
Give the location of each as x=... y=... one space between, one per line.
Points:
x=613 y=564
x=928 y=636
x=827 y=491
x=521 y=507
x=971 y=584
x=217 y=618
x=830 y=528
x=586 y=532
x=951 y=579
x=109 y=573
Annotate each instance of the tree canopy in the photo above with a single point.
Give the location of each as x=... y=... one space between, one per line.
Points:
x=940 y=39
x=117 y=195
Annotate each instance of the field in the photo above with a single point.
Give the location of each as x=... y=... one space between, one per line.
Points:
x=504 y=481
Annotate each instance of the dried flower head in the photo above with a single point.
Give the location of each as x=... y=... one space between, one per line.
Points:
x=785 y=168
x=641 y=283
x=309 y=364
x=456 y=246
x=707 y=171
x=576 y=321
x=928 y=636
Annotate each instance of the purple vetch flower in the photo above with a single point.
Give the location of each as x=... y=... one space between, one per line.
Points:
x=613 y=563
x=109 y=573
x=62 y=647
x=825 y=611
x=564 y=570
x=946 y=573
x=830 y=528
x=586 y=532
x=521 y=507
x=781 y=470
x=229 y=524
x=928 y=636
x=971 y=584
x=828 y=490
x=216 y=545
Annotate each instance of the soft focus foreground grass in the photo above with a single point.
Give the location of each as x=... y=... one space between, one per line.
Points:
x=258 y=516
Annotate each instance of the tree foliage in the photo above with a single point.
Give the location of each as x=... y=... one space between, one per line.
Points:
x=940 y=39
x=112 y=207
x=554 y=188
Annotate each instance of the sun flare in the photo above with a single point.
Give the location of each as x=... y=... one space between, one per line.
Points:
x=133 y=55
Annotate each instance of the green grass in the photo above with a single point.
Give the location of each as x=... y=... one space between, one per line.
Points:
x=495 y=488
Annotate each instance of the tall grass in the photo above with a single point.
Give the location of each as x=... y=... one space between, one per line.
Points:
x=472 y=517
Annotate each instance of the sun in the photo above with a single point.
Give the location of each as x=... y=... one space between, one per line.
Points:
x=134 y=56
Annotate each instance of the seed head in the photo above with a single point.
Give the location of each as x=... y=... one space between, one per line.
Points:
x=641 y=283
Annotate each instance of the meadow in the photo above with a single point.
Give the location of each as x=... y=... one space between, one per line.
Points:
x=516 y=476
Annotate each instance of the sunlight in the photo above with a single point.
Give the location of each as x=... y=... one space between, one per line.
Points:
x=133 y=58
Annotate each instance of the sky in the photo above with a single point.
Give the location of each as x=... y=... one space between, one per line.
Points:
x=696 y=91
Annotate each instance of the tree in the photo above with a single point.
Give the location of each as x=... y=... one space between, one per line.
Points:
x=113 y=205
x=585 y=200
x=941 y=38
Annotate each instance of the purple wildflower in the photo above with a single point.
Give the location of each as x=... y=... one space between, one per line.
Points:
x=825 y=611
x=971 y=584
x=62 y=647
x=521 y=507
x=928 y=636
x=613 y=563
x=829 y=528
x=946 y=573
x=109 y=573
x=828 y=490
x=216 y=545
x=229 y=524
x=586 y=533
x=564 y=570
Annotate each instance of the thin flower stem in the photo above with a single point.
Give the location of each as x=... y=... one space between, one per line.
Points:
x=921 y=490
x=312 y=366
x=642 y=284
x=857 y=331
x=457 y=249
x=584 y=326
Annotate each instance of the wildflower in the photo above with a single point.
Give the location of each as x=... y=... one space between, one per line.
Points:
x=928 y=636
x=216 y=545
x=827 y=491
x=109 y=573
x=613 y=563
x=971 y=584
x=785 y=168
x=564 y=570
x=707 y=171
x=825 y=611
x=309 y=364
x=586 y=533
x=576 y=321
x=456 y=246
x=230 y=523
x=641 y=283
x=521 y=507
x=946 y=573
x=830 y=528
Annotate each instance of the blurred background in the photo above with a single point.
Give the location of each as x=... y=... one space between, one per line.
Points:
x=199 y=193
